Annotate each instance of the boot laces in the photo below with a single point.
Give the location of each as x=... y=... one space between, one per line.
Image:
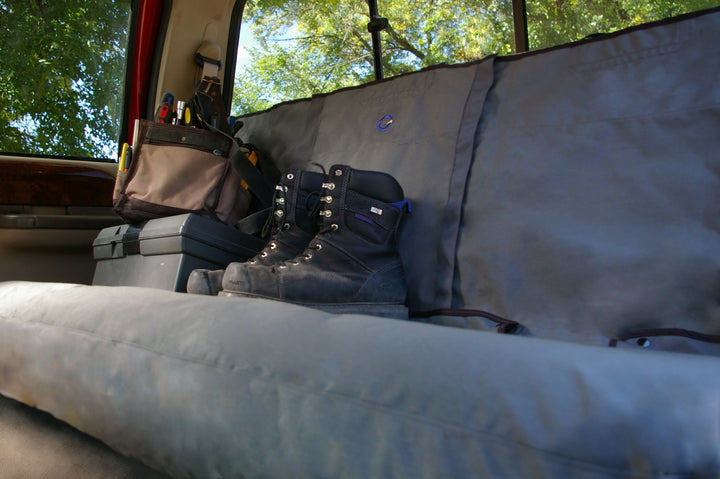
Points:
x=314 y=208
x=314 y=245
x=309 y=250
x=276 y=219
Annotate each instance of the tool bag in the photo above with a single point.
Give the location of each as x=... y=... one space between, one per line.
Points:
x=176 y=170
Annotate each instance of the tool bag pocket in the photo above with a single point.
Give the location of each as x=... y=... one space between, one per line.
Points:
x=176 y=170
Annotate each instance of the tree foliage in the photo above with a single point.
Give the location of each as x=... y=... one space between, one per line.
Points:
x=307 y=47
x=552 y=22
x=62 y=62
x=304 y=47
x=62 y=67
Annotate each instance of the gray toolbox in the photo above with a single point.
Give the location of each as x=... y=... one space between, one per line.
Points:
x=161 y=253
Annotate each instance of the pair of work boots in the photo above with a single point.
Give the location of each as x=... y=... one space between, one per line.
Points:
x=332 y=246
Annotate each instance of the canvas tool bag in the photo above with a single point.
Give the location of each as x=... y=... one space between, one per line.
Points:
x=177 y=169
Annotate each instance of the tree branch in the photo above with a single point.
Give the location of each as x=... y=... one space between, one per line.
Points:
x=365 y=45
x=404 y=44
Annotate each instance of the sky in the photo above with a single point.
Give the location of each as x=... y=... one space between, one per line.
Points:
x=246 y=40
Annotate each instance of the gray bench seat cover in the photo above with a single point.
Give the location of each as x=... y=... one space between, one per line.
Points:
x=242 y=387
x=573 y=190
x=593 y=205
x=418 y=127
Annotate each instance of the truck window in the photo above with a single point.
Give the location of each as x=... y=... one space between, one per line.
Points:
x=291 y=50
x=295 y=49
x=63 y=70
x=555 y=22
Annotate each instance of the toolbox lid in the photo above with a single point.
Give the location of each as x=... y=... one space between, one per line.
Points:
x=182 y=234
x=193 y=234
x=116 y=242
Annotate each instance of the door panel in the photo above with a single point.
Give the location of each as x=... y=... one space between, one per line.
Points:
x=50 y=213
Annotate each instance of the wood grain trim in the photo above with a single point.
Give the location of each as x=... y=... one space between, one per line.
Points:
x=57 y=184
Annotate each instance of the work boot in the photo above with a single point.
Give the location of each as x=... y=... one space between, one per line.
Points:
x=291 y=225
x=352 y=265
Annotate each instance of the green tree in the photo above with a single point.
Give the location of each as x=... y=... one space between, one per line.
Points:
x=308 y=47
x=62 y=67
x=553 y=22
x=305 y=47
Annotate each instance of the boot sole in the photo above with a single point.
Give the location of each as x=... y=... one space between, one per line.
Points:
x=385 y=310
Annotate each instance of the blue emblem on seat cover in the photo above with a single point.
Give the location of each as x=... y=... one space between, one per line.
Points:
x=385 y=123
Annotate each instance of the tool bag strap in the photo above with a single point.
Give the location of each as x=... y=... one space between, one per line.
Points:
x=253 y=177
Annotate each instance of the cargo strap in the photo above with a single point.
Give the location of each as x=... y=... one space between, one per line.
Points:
x=503 y=325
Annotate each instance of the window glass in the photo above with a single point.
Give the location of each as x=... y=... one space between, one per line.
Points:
x=63 y=69
x=553 y=22
x=294 y=49
x=422 y=33
x=297 y=48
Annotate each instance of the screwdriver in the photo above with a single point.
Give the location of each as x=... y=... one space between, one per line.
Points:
x=164 y=113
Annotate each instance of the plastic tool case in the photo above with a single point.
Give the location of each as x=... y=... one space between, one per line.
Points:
x=161 y=253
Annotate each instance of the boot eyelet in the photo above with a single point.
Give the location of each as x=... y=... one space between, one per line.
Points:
x=282 y=266
x=338 y=172
x=329 y=186
x=286 y=226
x=279 y=213
x=308 y=256
x=273 y=245
x=252 y=261
x=289 y=176
x=326 y=213
x=327 y=199
x=318 y=246
x=293 y=263
x=334 y=227
x=280 y=201
x=264 y=254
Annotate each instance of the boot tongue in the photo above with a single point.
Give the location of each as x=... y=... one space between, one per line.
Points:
x=308 y=203
x=307 y=211
x=376 y=184
x=311 y=181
